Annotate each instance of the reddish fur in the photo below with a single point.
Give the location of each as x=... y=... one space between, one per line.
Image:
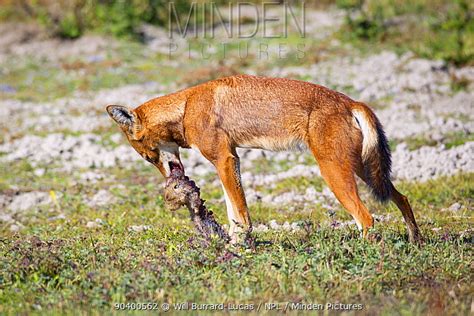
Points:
x=270 y=113
x=376 y=166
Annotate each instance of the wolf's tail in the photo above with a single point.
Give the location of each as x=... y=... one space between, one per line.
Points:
x=376 y=157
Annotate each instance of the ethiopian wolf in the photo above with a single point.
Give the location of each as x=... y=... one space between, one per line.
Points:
x=216 y=117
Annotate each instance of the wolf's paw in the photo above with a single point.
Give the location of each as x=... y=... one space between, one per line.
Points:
x=416 y=238
x=239 y=234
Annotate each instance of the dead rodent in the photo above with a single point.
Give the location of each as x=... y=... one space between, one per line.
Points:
x=181 y=191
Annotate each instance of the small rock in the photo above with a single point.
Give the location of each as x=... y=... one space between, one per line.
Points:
x=260 y=228
x=94 y=224
x=91 y=176
x=274 y=225
x=55 y=218
x=101 y=198
x=295 y=226
x=455 y=207
x=39 y=172
x=139 y=228
x=6 y=218
x=25 y=201
x=14 y=228
x=452 y=294
x=286 y=226
x=116 y=138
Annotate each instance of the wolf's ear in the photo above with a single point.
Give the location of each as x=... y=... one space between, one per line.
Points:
x=126 y=119
x=122 y=115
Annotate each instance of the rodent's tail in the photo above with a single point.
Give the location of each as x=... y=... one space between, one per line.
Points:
x=376 y=156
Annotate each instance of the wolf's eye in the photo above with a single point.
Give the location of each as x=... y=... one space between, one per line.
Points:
x=176 y=186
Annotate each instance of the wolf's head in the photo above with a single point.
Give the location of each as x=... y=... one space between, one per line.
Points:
x=151 y=143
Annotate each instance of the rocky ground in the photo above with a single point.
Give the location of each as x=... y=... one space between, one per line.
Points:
x=83 y=224
x=427 y=118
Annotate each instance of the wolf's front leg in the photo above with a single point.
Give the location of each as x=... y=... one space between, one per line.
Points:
x=228 y=168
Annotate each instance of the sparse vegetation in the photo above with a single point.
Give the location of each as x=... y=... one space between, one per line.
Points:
x=63 y=265
x=433 y=29
x=450 y=140
x=70 y=19
x=71 y=257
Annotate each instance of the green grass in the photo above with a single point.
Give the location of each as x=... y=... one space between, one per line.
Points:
x=457 y=139
x=39 y=81
x=130 y=62
x=64 y=266
x=432 y=29
x=84 y=270
x=61 y=266
x=450 y=140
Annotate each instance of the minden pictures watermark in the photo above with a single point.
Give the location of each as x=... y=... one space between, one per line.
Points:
x=238 y=307
x=243 y=29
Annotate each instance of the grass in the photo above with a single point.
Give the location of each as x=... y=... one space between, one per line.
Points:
x=59 y=265
x=64 y=266
x=82 y=270
x=432 y=29
x=450 y=140
x=37 y=80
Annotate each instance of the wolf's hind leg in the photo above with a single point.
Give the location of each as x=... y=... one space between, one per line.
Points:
x=336 y=149
x=402 y=203
x=340 y=179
